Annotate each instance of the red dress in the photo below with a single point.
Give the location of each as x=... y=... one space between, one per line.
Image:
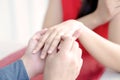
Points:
x=91 y=69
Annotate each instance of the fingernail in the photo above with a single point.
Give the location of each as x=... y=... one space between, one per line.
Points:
x=49 y=52
x=42 y=56
x=34 y=52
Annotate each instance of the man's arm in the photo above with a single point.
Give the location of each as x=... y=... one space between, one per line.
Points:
x=28 y=66
x=14 y=71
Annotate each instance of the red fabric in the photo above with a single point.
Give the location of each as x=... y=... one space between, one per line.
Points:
x=70 y=8
x=91 y=69
x=13 y=57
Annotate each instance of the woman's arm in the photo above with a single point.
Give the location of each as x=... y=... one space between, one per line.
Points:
x=53 y=14
x=105 y=11
x=106 y=52
x=91 y=21
x=114 y=29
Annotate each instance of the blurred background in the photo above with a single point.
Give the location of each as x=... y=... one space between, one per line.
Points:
x=19 y=20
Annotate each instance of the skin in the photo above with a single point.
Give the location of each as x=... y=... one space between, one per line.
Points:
x=105 y=51
x=56 y=36
x=33 y=63
x=106 y=7
x=68 y=57
x=106 y=10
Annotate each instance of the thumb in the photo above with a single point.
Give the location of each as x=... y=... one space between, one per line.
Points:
x=76 y=34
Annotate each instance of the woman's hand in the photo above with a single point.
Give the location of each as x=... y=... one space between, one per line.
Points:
x=64 y=64
x=53 y=35
x=107 y=9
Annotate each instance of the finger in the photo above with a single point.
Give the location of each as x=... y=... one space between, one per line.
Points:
x=55 y=51
x=74 y=47
x=117 y=5
x=69 y=33
x=79 y=53
x=76 y=50
x=48 y=44
x=33 y=41
x=60 y=45
x=66 y=44
x=38 y=34
x=62 y=39
x=55 y=42
x=76 y=34
x=42 y=41
x=43 y=31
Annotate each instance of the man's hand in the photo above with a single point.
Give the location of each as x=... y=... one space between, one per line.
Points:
x=33 y=64
x=65 y=63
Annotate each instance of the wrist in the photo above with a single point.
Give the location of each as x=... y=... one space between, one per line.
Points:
x=29 y=68
x=33 y=64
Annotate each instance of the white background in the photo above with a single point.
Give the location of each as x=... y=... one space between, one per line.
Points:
x=20 y=19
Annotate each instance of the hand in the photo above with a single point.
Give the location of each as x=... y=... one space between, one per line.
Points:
x=52 y=37
x=107 y=9
x=64 y=64
x=33 y=64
